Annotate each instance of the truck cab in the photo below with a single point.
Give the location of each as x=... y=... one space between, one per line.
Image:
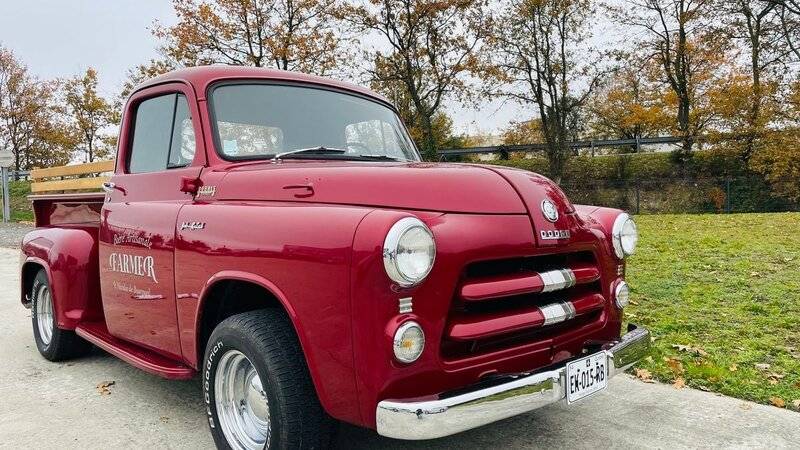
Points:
x=278 y=235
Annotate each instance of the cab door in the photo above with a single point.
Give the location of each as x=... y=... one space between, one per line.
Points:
x=159 y=146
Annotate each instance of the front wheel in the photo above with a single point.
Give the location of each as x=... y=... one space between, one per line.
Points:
x=257 y=388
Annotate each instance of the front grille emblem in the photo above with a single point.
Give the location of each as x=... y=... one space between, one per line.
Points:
x=549 y=210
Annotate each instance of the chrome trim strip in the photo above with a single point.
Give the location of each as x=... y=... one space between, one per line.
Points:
x=525 y=392
x=553 y=313
x=406 y=305
x=555 y=280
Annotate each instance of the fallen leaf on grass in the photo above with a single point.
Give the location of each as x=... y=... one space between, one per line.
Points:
x=733 y=368
x=644 y=375
x=679 y=383
x=777 y=401
x=689 y=349
x=634 y=303
x=675 y=365
x=754 y=274
x=103 y=387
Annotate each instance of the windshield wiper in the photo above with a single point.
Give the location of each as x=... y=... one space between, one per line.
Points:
x=381 y=158
x=320 y=150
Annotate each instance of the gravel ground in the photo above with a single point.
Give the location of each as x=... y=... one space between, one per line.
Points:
x=58 y=405
x=11 y=234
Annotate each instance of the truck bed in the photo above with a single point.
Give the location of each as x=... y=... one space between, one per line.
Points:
x=63 y=209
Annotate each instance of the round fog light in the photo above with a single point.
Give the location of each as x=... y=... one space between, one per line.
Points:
x=409 y=341
x=622 y=294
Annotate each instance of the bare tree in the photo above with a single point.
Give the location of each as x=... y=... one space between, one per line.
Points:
x=536 y=55
x=681 y=41
x=756 y=23
x=427 y=47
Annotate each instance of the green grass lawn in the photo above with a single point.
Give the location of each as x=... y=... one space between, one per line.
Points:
x=20 y=206
x=721 y=295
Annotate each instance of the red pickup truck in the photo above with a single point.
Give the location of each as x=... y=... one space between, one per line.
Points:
x=278 y=235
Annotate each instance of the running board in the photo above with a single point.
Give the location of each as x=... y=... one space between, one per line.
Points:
x=142 y=358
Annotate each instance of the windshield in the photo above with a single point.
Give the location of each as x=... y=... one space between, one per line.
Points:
x=263 y=120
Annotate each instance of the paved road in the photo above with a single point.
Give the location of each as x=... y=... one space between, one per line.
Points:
x=48 y=405
x=11 y=234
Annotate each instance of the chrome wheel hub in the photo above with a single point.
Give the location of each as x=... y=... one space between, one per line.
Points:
x=44 y=314
x=242 y=405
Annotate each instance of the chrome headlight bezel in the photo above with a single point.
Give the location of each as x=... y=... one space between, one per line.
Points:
x=620 y=248
x=622 y=294
x=399 y=336
x=390 y=251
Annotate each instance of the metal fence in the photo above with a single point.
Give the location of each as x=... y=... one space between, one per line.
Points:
x=504 y=150
x=664 y=196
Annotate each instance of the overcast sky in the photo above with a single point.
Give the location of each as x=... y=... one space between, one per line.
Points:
x=61 y=38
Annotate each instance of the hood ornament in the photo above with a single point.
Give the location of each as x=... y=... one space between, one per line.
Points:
x=549 y=210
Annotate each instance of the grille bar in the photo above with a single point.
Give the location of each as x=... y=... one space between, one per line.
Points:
x=471 y=327
x=489 y=288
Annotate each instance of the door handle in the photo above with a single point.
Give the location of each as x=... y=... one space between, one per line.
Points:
x=110 y=186
x=309 y=190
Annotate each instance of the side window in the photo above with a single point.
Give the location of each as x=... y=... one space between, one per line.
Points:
x=181 y=152
x=163 y=136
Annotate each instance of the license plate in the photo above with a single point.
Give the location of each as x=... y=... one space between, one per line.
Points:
x=586 y=376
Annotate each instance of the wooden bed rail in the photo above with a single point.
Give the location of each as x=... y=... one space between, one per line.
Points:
x=71 y=178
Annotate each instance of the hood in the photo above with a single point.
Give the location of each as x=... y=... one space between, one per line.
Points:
x=534 y=190
x=445 y=188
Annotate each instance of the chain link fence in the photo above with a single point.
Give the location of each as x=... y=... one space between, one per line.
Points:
x=690 y=196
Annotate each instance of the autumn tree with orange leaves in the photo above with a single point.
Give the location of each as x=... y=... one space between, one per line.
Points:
x=296 y=35
x=33 y=125
x=92 y=115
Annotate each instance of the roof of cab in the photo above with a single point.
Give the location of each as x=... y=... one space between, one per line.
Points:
x=201 y=77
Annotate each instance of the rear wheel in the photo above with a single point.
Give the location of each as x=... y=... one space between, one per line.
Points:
x=53 y=343
x=257 y=388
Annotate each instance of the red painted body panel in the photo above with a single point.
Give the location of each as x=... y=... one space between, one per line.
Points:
x=69 y=256
x=301 y=254
x=417 y=186
x=311 y=234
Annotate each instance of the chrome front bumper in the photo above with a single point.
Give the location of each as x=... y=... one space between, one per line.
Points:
x=526 y=392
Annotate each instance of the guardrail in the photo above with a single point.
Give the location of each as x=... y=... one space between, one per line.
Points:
x=71 y=178
x=592 y=144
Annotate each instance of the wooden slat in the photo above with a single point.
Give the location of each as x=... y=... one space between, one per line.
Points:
x=74 y=184
x=77 y=169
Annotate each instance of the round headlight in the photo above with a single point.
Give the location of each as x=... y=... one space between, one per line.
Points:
x=409 y=341
x=624 y=236
x=622 y=294
x=408 y=252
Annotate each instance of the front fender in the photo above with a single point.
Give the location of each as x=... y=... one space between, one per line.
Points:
x=69 y=258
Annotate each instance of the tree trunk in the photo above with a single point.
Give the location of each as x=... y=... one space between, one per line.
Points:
x=428 y=139
x=755 y=108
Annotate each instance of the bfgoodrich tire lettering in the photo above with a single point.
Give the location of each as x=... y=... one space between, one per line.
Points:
x=53 y=343
x=267 y=341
